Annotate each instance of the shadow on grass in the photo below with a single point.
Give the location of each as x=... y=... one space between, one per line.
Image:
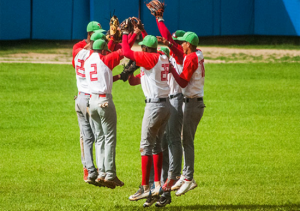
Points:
x=291 y=207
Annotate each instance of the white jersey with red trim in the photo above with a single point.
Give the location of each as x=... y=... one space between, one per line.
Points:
x=81 y=56
x=155 y=81
x=99 y=76
x=174 y=87
x=196 y=83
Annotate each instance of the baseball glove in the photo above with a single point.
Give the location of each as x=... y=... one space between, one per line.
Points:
x=129 y=69
x=113 y=29
x=156 y=8
x=126 y=26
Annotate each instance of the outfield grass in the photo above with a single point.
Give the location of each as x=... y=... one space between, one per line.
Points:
x=247 y=143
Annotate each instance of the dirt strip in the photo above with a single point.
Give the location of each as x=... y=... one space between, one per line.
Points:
x=211 y=55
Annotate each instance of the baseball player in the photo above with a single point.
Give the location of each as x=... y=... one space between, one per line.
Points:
x=192 y=81
x=98 y=67
x=91 y=27
x=171 y=144
x=85 y=124
x=153 y=78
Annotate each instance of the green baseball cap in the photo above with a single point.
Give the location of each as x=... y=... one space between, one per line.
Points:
x=97 y=35
x=178 y=33
x=149 y=41
x=100 y=45
x=93 y=26
x=165 y=50
x=190 y=37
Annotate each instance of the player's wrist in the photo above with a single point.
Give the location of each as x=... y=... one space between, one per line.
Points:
x=160 y=19
x=170 y=44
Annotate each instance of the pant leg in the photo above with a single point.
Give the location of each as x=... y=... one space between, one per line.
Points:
x=174 y=129
x=154 y=121
x=99 y=135
x=85 y=131
x=165 y=151
x=108 y=118
x=192 y=115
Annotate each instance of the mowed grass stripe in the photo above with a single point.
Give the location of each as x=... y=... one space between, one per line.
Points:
x=247 y=143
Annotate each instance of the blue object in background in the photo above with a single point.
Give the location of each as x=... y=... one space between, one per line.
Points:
x=81 y=18
x=52 y=19
x=277 y=17
x=67 y=19
x=15 y=19
x=237 y=17
x=101 y=10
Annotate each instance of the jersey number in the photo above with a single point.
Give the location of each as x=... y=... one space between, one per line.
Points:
x=202 y=67
x=79 y=69
x=165 y=72
x=93 y=72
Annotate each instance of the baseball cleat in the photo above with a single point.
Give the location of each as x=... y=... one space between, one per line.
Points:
x=85 y=174
x=140 y=194
x=163 y=201
x=168 y=185
x=193 y=185
x=156 y=191
x=150 y=200
x=115 y=182
x=187 y=186
x=100 y=180
x=178 y=184
x=91 y=178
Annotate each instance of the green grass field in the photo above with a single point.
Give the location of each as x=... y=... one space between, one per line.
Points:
x=247 y=143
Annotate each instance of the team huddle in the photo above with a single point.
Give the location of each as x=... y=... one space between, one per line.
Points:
x=172 y=80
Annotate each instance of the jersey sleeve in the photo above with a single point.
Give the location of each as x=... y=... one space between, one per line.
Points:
x=190 y=65
x=76 y=48
x=146 y=60
x=113 y=59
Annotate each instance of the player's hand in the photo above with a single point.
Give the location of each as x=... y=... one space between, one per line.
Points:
x=170 y=67
x=137 y=30
x=162 y=40
x=138 y=23
x=87 y=46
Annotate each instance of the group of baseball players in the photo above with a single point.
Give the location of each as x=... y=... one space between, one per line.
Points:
x=172 y=79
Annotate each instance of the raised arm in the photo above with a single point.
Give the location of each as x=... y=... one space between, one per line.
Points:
x=126 y=48
x=178 y=53
x=113 y=59
x=181 y=82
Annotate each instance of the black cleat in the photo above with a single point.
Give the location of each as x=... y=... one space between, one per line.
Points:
x=163 y=201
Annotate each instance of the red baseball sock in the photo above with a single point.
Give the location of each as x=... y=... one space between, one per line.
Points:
x=146 y=168
x=157 y=162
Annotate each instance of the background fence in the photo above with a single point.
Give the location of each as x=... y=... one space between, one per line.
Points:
x=67 y=19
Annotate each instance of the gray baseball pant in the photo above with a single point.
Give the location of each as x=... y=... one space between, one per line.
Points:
x=193 y=112
x=171 y=143
x=86 y=131
x=155 y=119
x=105 y=120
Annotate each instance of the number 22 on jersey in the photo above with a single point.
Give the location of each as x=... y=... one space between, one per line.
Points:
x=79 y=69
x=93 y=72
x=164 y=73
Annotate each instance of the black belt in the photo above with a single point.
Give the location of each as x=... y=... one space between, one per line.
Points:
x=186 y=100
x=176 y=95
x=155 y=100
